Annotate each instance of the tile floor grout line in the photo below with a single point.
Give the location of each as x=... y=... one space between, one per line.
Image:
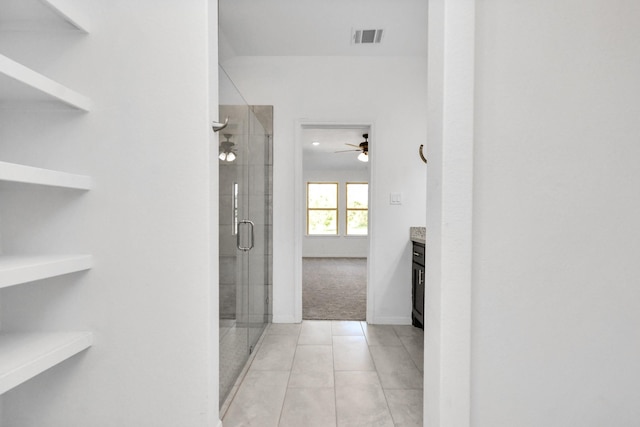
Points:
x=413 y=360
x=335 y=392
x=286 y=391
x=386 y=400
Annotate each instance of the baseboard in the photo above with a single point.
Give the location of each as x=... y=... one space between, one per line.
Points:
x=350 y=256
x=284 y=319
x=390 y=320
x=379 y=320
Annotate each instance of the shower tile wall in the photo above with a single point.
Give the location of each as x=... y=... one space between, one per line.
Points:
x=227 y=287
x=227 y=245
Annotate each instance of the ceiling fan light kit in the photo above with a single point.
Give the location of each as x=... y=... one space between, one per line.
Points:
x=228 y=157
x=363 y=147
x=227 y=150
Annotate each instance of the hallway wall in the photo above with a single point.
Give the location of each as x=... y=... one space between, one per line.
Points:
x=556 y=301
x=389 y=92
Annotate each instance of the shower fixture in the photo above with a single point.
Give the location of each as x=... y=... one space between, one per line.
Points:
x=227 y=150
x=217 y=127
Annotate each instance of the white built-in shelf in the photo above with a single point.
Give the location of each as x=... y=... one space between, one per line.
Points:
x=15 y=270
x=25 y=355
x=20 y=82
x=68 y=12
x=41 y=15
x=12 y=172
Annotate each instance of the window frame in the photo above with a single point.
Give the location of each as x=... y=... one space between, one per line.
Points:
x=336 y=209
x=346 y=217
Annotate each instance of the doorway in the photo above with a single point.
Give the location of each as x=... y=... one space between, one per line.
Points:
x=335 y=185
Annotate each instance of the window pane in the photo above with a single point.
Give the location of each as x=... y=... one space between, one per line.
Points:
x=357 y=222
x=322 y=222
x=322 y=195
x=357 y=196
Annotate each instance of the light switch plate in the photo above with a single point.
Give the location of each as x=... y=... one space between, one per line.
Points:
x=395 y=198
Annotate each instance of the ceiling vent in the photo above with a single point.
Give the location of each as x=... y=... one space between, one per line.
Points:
x=366 y=36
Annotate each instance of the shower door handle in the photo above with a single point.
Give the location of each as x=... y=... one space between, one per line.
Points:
x=238 y=244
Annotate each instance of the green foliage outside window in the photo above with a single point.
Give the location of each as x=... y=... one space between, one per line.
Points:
x=322 y=208
x=357 y=208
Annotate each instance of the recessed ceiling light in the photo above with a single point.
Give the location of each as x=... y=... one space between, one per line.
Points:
x=315 y=143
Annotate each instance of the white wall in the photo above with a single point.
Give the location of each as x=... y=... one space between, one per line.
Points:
x=389 y=92
x=145 y=143
x=340 y=245
x=213 y=90
x=556 y=308
x=448 y=281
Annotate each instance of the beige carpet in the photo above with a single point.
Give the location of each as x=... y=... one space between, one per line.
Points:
x=334 y=288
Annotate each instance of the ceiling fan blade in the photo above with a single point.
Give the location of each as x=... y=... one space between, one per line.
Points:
x=346 y=151
x=352 y=145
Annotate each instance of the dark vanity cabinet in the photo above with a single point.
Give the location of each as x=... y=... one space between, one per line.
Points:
x=417 y=285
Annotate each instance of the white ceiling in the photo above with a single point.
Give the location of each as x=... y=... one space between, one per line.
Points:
x=323 y=27
x=324 y=156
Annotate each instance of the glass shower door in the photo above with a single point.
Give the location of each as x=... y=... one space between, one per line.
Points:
x=258 y=214
x=244 y=229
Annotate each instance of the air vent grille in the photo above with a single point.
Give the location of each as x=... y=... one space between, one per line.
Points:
x=367 y=36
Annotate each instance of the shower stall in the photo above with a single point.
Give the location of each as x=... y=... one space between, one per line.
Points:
x=245 y=228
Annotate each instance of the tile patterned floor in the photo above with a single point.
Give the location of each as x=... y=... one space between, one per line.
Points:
x=333 y=374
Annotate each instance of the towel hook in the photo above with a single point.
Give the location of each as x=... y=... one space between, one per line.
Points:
x=422 y=155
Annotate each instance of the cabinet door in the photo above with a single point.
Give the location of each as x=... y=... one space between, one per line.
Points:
x=418 y=294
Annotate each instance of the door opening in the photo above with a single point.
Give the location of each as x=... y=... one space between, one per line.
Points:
x=333 y=221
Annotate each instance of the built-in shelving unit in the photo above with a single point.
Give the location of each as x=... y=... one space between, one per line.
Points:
x=41 y=15
x=69 y=13
x=19 y=82
x=12 y=172
x=25 y=355
x=15 y=270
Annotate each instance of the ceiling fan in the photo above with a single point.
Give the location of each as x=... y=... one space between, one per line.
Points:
x=227 y=149
x=363 y=147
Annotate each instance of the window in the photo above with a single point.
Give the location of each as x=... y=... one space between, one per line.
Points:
x=322 y=208
x=357 y=208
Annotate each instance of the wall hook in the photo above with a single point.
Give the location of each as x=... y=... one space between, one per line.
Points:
x=422 y=155
x=217 y=127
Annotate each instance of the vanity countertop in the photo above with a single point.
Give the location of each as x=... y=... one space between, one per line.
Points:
x=418 y=234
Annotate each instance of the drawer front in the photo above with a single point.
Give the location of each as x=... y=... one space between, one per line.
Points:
x=418 y=253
